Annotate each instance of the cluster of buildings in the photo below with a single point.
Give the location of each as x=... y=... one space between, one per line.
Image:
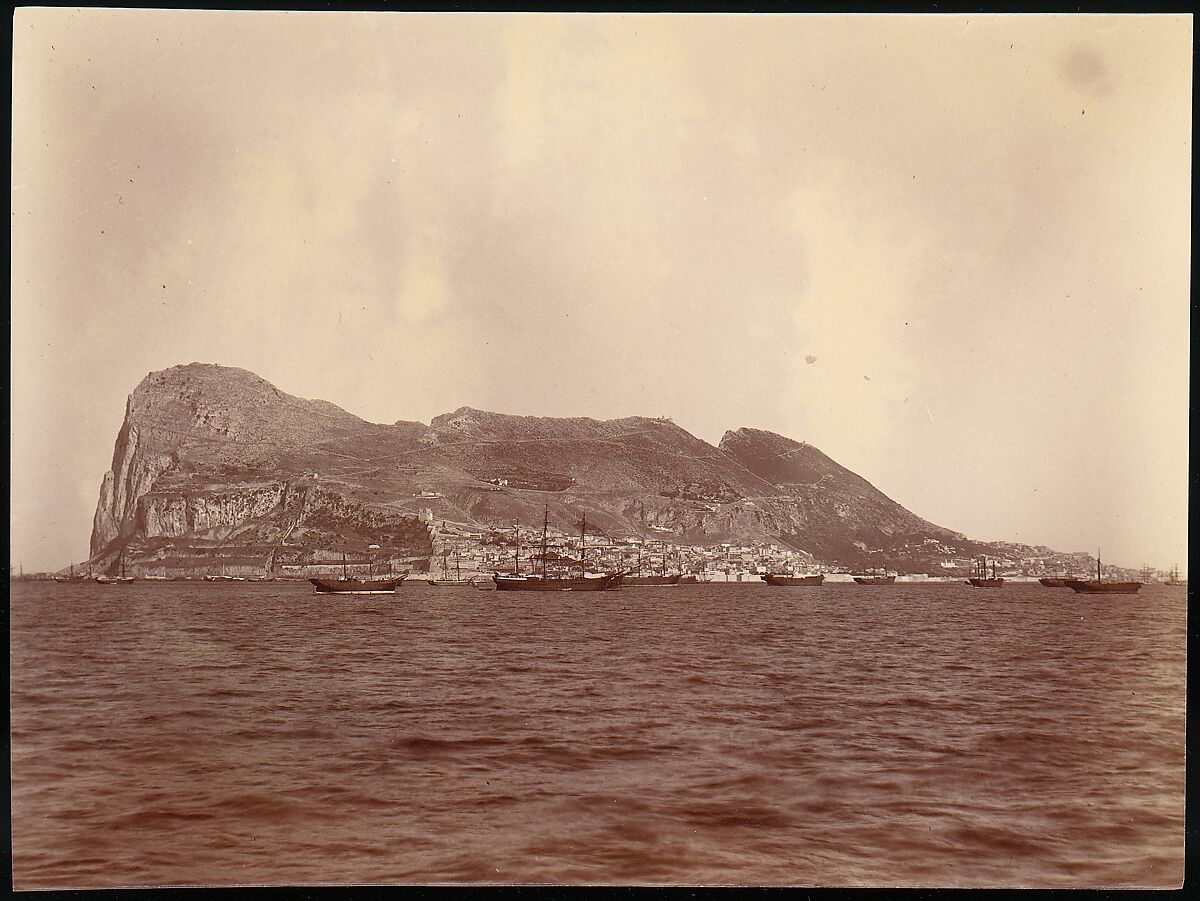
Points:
x=469 y=552
x=461 y=550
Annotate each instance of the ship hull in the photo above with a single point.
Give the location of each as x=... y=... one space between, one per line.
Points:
x=521 y=583
x=650 y=581
x=1080 y=586
x=874 y=580
x=772 y=579
x=356 y=586
x=1054 y=583
x=986 y=583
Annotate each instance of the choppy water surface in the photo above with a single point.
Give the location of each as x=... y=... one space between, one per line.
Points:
x=187 y=733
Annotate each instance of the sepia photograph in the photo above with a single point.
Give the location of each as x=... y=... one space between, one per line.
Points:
x=598 y=449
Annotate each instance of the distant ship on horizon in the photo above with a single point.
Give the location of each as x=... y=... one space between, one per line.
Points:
x=585 y=581
x=981 y=579
x=347 y=584
x=1099 y=586
x=875 y=577
x=662 y=579
x=789 y=579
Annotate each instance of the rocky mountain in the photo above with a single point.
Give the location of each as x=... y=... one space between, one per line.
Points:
x=215 y=469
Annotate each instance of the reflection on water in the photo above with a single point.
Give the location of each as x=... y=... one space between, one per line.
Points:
x=185 y=733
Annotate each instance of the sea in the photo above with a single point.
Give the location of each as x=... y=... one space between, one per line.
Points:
x=931 y=735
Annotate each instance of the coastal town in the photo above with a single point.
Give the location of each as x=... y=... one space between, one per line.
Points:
x=470 y=552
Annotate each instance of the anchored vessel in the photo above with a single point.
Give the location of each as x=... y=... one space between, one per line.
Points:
x=113 y=580
x=73 y=577
x=874 y=578
x=542 y=582
x=446 y=581
x=789 y=579
x=981 y=578
x=1099 y=586
x=662 y=581
x=1051 y=582
x=652 y=580
x=348 y=584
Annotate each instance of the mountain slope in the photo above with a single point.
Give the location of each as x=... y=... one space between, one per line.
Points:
x=214 y=466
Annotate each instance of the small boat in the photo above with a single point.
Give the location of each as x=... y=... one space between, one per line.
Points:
x=585 y=581
x=348 y=584
x=981 y=579
x=116 y=580
x=791 y=579
x=1099 y=586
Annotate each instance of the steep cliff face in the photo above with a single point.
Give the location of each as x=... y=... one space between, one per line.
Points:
x=210 y=454
x=212 y=457
x=172 y=514
x=134 y=470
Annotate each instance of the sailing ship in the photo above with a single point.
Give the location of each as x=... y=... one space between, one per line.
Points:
x=1173 y=579
x=981 y=579
x=113 y=580
x=1099 y=586
x=445 y=580
x=781 y=579
x=875 y=577
x=73 y=577
x=348 y=584
x=650 y=580
x=585 y=581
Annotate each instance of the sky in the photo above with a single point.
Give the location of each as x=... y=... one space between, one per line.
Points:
x=950 y=251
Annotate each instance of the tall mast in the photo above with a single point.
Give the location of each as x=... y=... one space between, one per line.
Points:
x=517 y=548
x=343 y=564
x=582 y=545
x=545 y=528
x=457 y=564
x=1098 y=578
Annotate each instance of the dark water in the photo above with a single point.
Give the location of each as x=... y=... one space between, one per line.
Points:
x=931 y=735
